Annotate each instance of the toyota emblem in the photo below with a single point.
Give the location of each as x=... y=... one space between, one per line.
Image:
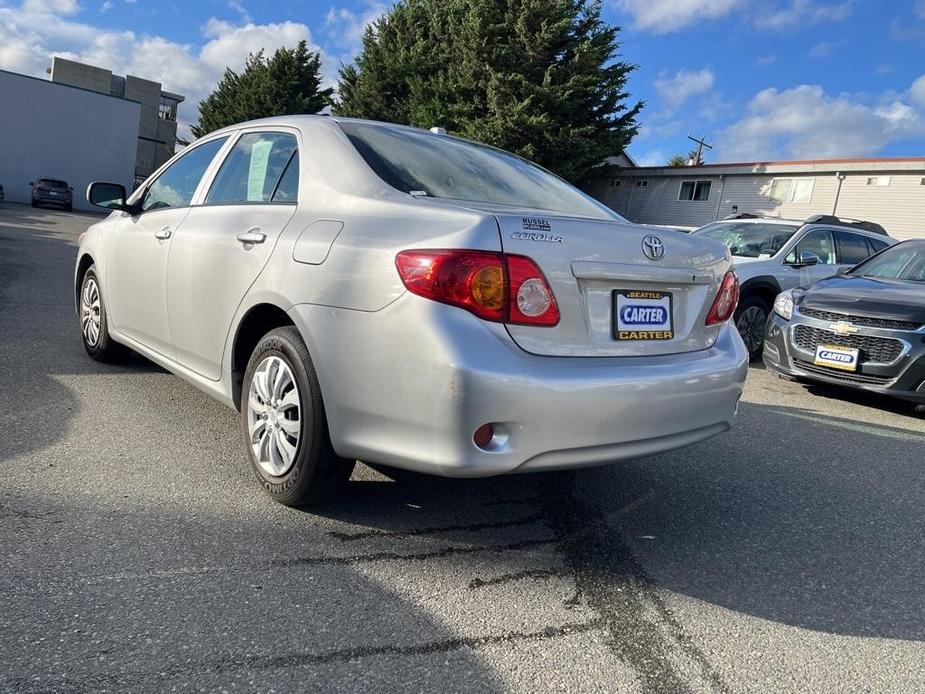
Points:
x=653 y=248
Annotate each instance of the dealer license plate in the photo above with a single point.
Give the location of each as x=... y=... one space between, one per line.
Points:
x=642 y=315
x=837 y=357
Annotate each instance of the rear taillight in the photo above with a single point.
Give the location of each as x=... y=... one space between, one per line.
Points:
x=724 y=305
x=494 y=286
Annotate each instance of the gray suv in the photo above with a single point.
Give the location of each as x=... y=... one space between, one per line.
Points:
x=772 y=255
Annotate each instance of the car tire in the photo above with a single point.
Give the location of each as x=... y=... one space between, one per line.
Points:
x=94 y=324
x=284 y=425
x=751 y=316
x=34 y=203
x=68 y=208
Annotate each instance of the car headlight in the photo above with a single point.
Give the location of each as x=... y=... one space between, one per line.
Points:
x=783 y=305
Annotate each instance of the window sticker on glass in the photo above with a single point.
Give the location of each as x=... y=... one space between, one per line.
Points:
x=256 y=176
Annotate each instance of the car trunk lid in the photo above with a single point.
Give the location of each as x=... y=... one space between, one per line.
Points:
x=610 y=293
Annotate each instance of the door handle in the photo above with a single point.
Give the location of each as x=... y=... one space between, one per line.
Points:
x=163 y=234
x=252 y=236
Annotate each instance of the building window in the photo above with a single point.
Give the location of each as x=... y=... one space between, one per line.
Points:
x=614 y=182
x=696 y=191
x=882 y=181
x=922 y=182
x=642 y=184
x=792 y=189
x=167 y=109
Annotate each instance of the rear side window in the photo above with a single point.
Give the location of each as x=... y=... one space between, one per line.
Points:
x=254 y=168
x=177 y=184
x=877 y=244
x=852 y=248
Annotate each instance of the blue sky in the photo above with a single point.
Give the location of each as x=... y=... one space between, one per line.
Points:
x=761 y=79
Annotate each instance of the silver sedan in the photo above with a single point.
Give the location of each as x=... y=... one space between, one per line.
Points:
x=359 y=290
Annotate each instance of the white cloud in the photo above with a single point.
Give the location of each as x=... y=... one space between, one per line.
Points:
x=346 y=27
x=806 y=123
x=665 y=16
x=821 y=50
x=919 y=8
x=684 y=84
x=654 y=157
x=800 y=13
x=60 y=7
x=30 y=37
x=106 y=6
x=765 y=60
x=917 y=91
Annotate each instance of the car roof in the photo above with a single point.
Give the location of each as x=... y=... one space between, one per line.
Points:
x=870 y=228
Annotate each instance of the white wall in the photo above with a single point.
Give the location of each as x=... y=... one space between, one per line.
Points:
x=899 y=207
x=56 y=131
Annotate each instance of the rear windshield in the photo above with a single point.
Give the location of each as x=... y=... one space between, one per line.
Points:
x=449 y=167
x=905 y=261
x=750 y=239
x=51 y=183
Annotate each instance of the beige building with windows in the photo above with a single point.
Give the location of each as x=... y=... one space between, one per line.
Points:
x=890 y=192
x=157 y=123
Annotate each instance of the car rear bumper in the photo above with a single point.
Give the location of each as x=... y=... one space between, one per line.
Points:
x=46 y=199
x=904 y=378
x=408 y=386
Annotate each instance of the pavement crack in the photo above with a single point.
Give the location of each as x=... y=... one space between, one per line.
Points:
x=518 y=576
x=364 y=534
x=613 y=583
x=412 y=556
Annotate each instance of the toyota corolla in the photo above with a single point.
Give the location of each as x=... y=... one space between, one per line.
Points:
x=359 y=290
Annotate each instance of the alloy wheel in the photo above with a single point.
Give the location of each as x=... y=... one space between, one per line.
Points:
x=274 y=416
x=751 y=327
x=90 y=320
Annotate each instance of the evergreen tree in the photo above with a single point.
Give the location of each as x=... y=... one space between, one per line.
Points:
x=287 y=83
x=540 y=78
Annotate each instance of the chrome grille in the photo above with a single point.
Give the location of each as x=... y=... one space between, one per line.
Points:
x=860 y=320
x=875 y=349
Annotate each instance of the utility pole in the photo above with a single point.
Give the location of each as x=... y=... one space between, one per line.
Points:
x=701 y=143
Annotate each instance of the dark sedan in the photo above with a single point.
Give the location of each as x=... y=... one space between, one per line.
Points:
x=52 y=191
x=864 y=329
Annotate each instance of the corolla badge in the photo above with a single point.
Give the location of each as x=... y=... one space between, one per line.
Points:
x=653 y=247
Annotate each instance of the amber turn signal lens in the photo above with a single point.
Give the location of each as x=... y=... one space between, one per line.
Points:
x=488 y=288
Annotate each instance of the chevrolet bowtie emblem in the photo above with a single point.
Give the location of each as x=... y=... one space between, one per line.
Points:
x=843 y=328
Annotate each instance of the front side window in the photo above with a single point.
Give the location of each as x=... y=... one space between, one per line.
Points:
x=695 y=191
x=852 y=248
x=252 y=170
x=818 y=241
x=177 y=184
x=442 y=166
x=750 y=239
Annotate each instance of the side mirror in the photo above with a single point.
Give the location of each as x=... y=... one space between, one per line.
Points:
x=31 y=183
x=110 y=196
x=807 y=258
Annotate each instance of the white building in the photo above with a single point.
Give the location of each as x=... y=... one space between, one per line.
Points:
x=58 y=131
x=888 y=191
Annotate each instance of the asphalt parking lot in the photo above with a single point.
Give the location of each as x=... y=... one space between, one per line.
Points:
x=137 y=554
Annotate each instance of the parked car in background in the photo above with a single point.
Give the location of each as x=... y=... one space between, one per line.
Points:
x=52 y=191
x=863 y=329
x=2 y=195
x=771 y=255
x=368 y=291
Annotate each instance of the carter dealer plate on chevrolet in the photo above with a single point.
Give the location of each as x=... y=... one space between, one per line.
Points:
x=642 y=315
x=837 y=357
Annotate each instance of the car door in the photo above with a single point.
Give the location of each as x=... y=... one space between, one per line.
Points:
x=139 y=246
x=821 y=243
x=225 y=242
